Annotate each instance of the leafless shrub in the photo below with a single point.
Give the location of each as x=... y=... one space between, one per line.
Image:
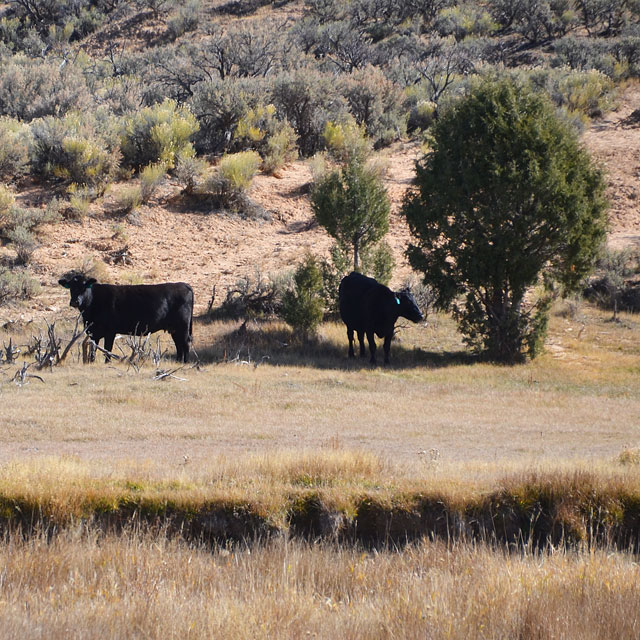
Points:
x=21 y=377
x=48 y=351
x=249 y=298
x=10 y=352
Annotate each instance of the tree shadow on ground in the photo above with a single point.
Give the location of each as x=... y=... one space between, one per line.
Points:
x=259 y=343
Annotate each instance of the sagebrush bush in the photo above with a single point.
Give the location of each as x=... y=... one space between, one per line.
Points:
x=615 y=284
x=308 y=100
x=190 y=171
x=259 y=129
x=19 y=226
x=79 y=203
x=346 y=141
x=250 y=297
x=159 y=133
x=17 y=284
x=69 y=149
x=227 y=185
x=239 y=169
x=219 y=105
x=151 y=177
x=128 y=199
x=14 y=148
x=35 y=88
x=584 y=93
x=187 y=19
x=376 y=103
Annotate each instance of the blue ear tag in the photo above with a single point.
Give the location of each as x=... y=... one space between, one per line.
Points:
x=397 y=300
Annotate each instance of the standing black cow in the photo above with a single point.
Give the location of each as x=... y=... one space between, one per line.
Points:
x=368 y=307
x=137 y=309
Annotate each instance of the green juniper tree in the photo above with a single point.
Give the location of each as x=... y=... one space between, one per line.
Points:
x=506 y=200
x=352 y=204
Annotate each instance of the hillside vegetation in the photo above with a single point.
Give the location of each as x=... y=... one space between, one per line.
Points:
x=114 y=116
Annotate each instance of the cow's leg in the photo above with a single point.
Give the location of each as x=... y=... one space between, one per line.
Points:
x=181 y=340
x=350 y=336
x=108 y=345
x=361 y=341
x=387 y=348
x=372 y=346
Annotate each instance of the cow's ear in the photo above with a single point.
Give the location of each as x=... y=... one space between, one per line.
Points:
x=64 y=283
x=91 y=282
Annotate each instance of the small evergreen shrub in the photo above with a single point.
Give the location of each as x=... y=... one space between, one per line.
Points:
x=302 y=305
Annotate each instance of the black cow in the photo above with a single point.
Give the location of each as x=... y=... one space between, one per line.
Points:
x=368 y=307
x=135 y=309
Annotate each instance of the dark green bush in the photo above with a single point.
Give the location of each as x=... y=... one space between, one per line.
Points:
x=508 y=199
x=352 y=204
x=302 y=305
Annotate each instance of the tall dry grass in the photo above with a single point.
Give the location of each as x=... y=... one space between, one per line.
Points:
x=84 y=586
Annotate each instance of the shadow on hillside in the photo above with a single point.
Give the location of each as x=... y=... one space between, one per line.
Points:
x=253 y=343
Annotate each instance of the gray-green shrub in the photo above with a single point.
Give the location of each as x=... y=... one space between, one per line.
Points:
x=14 y=148
x=158 y=133
x=37 y=88
x=70 y=149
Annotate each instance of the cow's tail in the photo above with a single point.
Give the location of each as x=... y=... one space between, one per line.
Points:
x=191 y=320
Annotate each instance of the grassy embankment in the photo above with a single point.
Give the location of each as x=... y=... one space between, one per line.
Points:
x=285 y=439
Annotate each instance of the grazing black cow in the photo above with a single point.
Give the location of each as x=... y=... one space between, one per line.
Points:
x=368 y=307
x=136 y=309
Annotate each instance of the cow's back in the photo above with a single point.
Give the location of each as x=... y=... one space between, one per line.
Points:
x=129 y=309
x=353 y=293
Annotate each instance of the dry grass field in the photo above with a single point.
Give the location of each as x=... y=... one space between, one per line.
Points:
x=257 y=392
x=82 y=586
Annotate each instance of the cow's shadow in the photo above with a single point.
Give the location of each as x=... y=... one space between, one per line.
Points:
x=256 y=344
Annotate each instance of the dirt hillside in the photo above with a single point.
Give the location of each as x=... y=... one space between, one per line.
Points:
x=168 y=243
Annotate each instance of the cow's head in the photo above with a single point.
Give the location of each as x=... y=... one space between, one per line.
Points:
x=80 y=288
x=407 y=306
